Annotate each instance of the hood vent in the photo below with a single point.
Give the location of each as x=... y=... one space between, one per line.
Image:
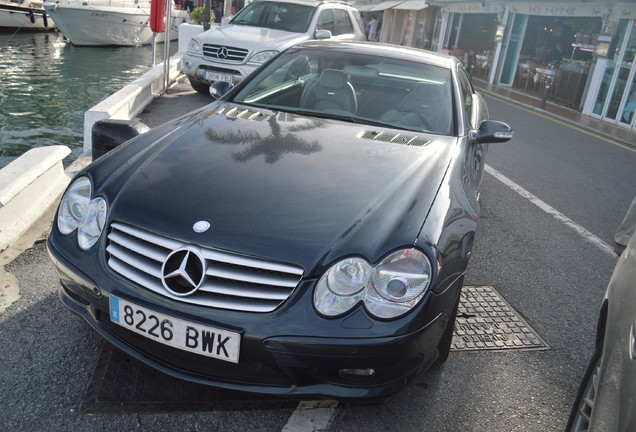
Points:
x=394 y=138
x=243 y=114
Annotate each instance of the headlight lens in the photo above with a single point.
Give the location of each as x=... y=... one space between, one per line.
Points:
x=74 y=205
x=348 y=277
x=93 y=224
x=79 y=211
x=194 y=47
x=263 y=56
x=388 y=290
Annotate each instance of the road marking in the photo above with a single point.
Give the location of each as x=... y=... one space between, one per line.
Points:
x=552 y=211
x=311 y=416
x=613 y=142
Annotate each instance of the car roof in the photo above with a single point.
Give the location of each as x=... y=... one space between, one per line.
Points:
x=384 y=50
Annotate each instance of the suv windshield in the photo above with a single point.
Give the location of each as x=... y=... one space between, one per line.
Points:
x=289 y=17
x=356 y=88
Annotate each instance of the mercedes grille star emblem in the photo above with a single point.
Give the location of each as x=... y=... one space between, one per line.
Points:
x=201 y=226
x=183 y=272
x=222 y=53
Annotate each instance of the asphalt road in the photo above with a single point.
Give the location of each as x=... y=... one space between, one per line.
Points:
x=552 y=274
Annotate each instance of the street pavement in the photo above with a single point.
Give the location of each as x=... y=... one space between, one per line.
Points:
x=553 y=273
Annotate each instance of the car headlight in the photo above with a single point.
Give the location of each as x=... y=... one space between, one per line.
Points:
x=79 y=212
x=74 y=205
x=263 y=56
x=93 y=224
x=388 y=290
x=194 y=48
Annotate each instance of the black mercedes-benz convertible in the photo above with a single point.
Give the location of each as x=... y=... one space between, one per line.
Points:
x=305 y=234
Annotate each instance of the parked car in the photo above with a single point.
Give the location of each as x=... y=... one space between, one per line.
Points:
x=607 y=396
x=306 y=234
x=260 y=31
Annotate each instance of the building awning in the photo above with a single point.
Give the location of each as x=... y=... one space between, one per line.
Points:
x=364 y=7
x=540 y=8
x=412 y=5
x=378 y=6
x=623 y=11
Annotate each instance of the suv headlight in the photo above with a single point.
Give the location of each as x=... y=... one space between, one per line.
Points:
x=388 y=290
x=79 y=212
x=194 y=48
x=263 y=56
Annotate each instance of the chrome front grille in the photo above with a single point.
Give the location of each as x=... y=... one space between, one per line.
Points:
x=232 y=281
x=224 y=53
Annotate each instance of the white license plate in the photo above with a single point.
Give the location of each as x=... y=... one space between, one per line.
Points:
x=175 y=332
x=214 y=76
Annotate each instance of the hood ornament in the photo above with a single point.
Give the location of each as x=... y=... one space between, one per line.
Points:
x=183 y=271
x=201 y=226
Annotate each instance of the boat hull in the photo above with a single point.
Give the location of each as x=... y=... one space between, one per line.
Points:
x=94 y=25
x=14 y=16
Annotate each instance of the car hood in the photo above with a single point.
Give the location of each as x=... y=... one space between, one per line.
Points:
x=289 y=188
x=254 y=39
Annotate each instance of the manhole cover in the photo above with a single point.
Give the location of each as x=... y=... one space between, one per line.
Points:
x=485 y=321
x=122 y=384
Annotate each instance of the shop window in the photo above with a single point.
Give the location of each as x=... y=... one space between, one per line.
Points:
x=622 y=78
x=610 y=69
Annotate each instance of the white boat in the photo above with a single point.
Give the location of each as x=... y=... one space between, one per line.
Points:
x=104 y=22
x=24 y=14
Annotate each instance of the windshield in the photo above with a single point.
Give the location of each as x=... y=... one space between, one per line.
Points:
x=277 y=16
x=357 y=88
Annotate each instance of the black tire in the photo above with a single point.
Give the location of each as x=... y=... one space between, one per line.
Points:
x=200 y=87
x=444 y=346
x=579 y=420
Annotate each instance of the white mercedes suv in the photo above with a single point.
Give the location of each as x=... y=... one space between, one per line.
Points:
x=259 y=32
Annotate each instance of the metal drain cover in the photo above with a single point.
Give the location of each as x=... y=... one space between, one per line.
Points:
x=485 y=321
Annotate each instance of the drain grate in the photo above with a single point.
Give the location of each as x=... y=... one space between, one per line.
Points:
x=485 y=321
x=121 y=384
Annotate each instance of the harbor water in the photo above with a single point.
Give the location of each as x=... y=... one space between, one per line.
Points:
x=46 y=86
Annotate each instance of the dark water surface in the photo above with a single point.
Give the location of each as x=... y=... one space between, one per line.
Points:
x=47 y=85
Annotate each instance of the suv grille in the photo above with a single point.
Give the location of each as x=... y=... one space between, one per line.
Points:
x=232 y=281
x=224 y=53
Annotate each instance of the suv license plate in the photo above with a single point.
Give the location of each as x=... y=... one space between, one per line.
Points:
x=175 y=332
x=214 y=76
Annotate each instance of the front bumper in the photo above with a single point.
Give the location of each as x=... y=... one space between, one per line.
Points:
x=293 y=362
x=196 y=68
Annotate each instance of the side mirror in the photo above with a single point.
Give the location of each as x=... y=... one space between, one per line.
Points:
x=219 y=88
x=323 y=34
x=491 y=131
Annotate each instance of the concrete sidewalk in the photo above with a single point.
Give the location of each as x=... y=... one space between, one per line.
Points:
x=180 y=99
